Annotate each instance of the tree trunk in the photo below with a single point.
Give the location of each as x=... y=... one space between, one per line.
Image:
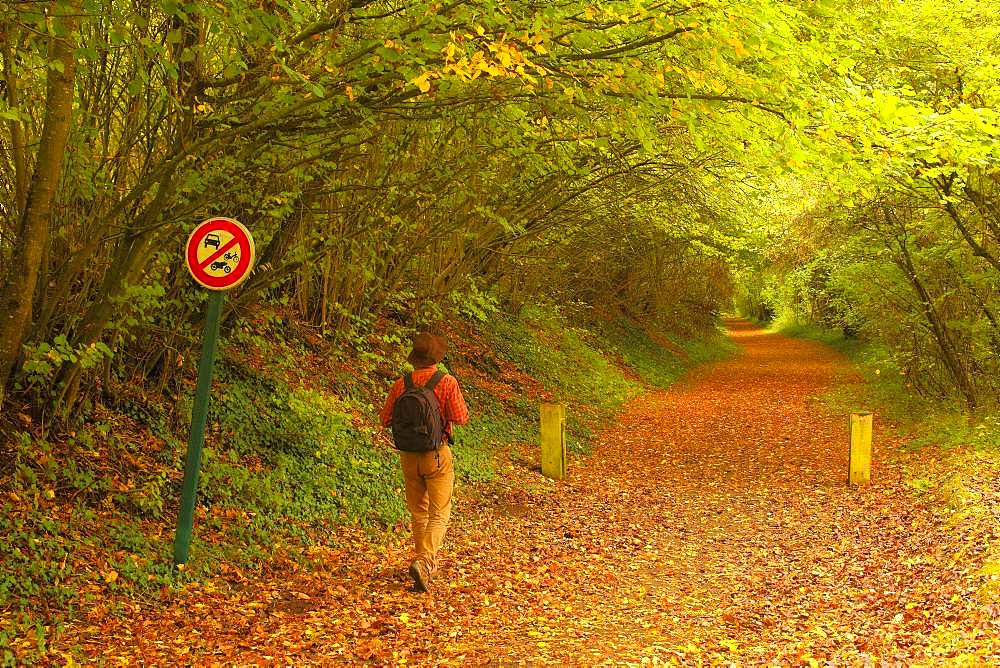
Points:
x=949 y=355
x=17 y=294
x=18 y=143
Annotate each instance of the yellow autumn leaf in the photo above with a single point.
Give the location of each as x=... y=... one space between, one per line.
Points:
x=738 y=47
x=423 y=82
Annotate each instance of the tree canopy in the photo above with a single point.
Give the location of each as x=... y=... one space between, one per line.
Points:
x=641 y=158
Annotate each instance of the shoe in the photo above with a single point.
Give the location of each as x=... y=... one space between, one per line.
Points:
x=421 y=575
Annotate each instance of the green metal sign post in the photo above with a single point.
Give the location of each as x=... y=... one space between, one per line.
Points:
x=199 y=416
x=219 y=255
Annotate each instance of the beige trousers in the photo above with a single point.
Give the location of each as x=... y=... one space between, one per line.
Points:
x=430 y=479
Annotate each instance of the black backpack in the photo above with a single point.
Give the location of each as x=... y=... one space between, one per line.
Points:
x=416 y=417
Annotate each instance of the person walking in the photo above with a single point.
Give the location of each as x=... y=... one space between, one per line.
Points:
x=421 y=408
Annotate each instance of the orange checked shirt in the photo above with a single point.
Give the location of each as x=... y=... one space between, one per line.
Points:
x=453 y=408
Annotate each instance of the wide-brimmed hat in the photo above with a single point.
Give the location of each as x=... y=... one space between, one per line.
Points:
x=428 y=350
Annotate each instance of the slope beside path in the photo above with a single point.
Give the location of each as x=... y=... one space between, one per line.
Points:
x=712 y=523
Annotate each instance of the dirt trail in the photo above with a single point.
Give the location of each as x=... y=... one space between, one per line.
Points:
x=712 y=523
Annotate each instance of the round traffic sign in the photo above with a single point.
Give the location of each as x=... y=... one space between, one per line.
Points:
x=220 y=253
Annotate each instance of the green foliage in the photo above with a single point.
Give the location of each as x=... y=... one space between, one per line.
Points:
x=489 y=432
x=49 y=526
x=43 y=360
x=314 y=466
x=713 y=347
x=474 y=304
x=256 y=413
x=858 y=350
x=135 y=305
x=33 y=560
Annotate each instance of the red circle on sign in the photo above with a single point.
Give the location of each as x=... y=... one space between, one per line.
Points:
x=240 y=238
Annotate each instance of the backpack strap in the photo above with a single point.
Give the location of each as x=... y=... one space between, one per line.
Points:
x=435 y=379
x=408 y=381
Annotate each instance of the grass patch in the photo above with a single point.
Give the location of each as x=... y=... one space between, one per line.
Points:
x=566 y=359
x=662 y=360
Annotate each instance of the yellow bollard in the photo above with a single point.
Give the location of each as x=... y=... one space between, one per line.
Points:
x=860 y=467
x=553 y=418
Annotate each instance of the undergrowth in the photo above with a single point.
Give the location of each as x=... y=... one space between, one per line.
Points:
x=879 y=384
x=662 y=362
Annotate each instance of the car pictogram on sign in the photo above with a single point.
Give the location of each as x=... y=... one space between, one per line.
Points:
x=212 y=240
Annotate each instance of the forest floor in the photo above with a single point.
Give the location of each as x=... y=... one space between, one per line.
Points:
x=711 y=524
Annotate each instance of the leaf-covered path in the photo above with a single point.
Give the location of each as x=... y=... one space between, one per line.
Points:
x=711 y=523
